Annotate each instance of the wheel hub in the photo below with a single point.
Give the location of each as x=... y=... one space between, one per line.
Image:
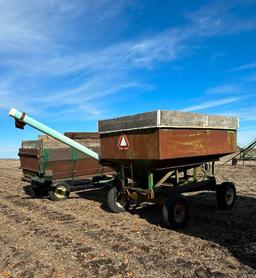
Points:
x=230 y=196
x=180 y=212
x=120 y=201
x=60 y=191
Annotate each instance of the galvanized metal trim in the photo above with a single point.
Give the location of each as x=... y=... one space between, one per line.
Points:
x=167 y=119
x=158 y=117
x=165 y=126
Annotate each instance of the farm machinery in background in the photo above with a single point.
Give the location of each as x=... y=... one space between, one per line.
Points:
x=245 y=154
x=157 y=156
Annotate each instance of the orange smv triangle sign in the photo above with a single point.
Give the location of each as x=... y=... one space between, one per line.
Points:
x=123 y=143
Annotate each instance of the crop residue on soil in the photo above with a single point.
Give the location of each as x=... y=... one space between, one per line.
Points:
x=80 y=238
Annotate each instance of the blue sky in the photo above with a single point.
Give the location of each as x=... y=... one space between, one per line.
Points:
x=69 y=63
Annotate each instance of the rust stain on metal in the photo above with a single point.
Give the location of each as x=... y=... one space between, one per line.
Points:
x=161 y=144
x=143 y=145
x=68 y=169
x=177 y=143
x=30 y=159
x=47 y=155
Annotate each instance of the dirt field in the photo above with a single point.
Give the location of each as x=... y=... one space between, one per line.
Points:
x=80 y=238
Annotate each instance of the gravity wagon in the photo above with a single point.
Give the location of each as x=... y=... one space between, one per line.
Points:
x=157 y=156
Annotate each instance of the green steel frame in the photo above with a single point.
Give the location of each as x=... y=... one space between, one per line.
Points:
x=202 y=178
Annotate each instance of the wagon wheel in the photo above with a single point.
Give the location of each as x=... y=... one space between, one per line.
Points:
x=59 y=191
x=226 y=195
x=117 y=200
x=175 y=212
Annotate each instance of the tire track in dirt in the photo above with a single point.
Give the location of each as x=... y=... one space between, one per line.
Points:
x=92 y=230
x=86 y=256
x=98 y=234
x=34 y=231
x=126 y=243
x=105 y=244
x=19 y=262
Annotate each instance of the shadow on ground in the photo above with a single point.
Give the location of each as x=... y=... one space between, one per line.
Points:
x=96 y=194
x=234 y=229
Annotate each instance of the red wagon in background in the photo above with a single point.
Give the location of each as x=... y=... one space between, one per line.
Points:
x=47 y=163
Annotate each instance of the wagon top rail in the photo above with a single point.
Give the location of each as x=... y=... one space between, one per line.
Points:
x=168 y=119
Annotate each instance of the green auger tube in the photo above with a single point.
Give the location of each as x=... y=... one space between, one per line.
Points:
x=23 y=119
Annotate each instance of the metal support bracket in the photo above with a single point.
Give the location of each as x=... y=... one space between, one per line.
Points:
x=164 y=178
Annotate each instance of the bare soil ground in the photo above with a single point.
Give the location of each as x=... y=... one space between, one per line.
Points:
x=80 y=238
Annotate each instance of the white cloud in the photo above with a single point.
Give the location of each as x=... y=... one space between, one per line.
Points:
x=38 y=45
x=215 y=57
x=87 y=100
x=245 y=114
x=44 y=23
x=223 y=89
x=212 y=103
x=44 y=26
x=243 y=67
x=218 y=19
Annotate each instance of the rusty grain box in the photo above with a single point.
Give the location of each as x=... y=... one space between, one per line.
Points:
x=49 y=159
x=167 y=135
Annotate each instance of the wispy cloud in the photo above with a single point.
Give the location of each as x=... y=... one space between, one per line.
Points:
x=165 y=46
x=143 y=53
x=212 y=103
x=223 y=89
x=217 y=56
x=219 y=19
x=37 y=26
x=245 y=114
x=243 y=67
x=38 y=48
x=251 y=78
x=86 y=101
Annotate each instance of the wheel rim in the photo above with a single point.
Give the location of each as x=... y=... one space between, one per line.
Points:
x=120 y=201
x=230 y=195
x=61 y=191
x=180 y=212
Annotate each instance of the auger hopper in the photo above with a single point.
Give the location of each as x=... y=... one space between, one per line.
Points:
x=157 y=156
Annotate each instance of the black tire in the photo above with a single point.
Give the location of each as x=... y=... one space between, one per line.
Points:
x=59 y=191
x=39 y=189
x=226 y=195
x=175 y=212
x=115 y=200
x=96 y=179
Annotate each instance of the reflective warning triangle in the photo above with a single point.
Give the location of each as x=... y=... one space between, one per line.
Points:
x=123 y=143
